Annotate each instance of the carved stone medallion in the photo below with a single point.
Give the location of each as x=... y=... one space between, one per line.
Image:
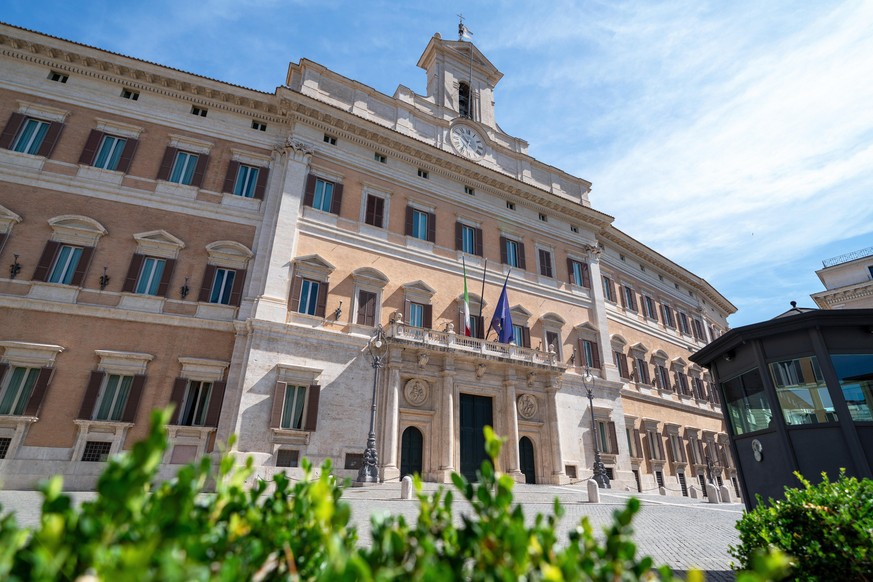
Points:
x=416 y=391
x=527 y=406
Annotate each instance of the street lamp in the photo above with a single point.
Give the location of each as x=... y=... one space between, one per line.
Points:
x=600 y=476
x=377 y=349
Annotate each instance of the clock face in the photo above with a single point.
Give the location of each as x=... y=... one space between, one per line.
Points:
x=467 y=142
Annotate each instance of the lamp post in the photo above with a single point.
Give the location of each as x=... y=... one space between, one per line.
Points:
x=377 y=349
x=600 y=476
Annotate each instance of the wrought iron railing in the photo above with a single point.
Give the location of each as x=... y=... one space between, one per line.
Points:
x=853 y=256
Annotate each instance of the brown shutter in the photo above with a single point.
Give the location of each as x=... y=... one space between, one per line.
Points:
x=644 y=371
x=82 y=266
x=167 y=163
x=51 y=138
x=621 y=296
x=431 y=227
x=230 y=177
x=39 y=389
x=480 y=325
x=427 y=316
x=206 y=287
x=11 y=130
x=525 y=337
x=45 y=261
x=586 y=276
x=200 y=170
x=459 y=236
x=336 y=201
x=3 y=368
x=521 y=260
x=239 y=280
x=321 y=300
x=309 y=190
x=613 y=439
x=667 y=379
x=314 y=393
x=133 y=398
x=638 y=443
x=570 y=276
x=278 y=405
x=261 y=186
x=86 y=411
x=127 y=155
x=659 y=439
x=3 y=237
x=409 y=221
x=176 y=397
x=477 y=241
x=216 y=398
x=164 y=285
x=91 y=145
x=623 y=364
x=595 y=351
x=545 y=263
x=671 y=454
x=133 y=273
x=294 y=297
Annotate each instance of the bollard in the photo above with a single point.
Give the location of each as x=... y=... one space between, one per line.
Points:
x=662 y=490
x=593 y=492
x=711 y=493
x=692 y=492
x=725 y=494
x=406 y=488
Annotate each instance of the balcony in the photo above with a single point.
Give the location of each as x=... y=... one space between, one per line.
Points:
x=461 y=345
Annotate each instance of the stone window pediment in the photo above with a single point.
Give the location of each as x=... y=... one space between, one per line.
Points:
x=660 y=356
x=158 y=243
x=28 y=354
x=519 y=314
x=639 y=349
x=552 y=320
x=203 y=369
x=117 y=128
x=228 y=253
x=123 y=363
x=618 y=342
x=7 y=219
x=419 y=289
x=190 y=144
x=42 y=111
x=313 y=267
x=76 y=230
x=370 y=277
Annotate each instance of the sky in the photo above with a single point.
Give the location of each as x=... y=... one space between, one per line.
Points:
x=735 y=138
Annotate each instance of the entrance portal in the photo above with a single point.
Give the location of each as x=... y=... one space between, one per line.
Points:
x=410 y=452
x=476 y=413
x=526 y=460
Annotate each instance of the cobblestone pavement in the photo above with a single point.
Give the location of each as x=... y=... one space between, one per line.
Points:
x=680 y=532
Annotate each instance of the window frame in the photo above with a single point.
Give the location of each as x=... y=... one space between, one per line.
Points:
x=30 y=143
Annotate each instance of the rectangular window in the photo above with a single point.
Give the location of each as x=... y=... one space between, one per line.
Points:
x=222 y=285
x=128 y=94
x=682 y=381
x=323 y=196
x=58 y=77
x=113 y=397
x=64 y=268
x=5 y=442
x=96 y=451
x=469 y=191
x=183 y=168
x=608 y=290
x=518 y=335
x=109 y=152
x=697 y=328
x=545 y=263
x=579 y=274
x=260 y=126
x=366 y=308
x=150 y=276
x=308 y=297
x=510 y=205
x=468 y=239
x=651 y=311
x=746 y=402
x=31 y=136
x=329 y=139
x=295 y=403
x=416 y=314
x=246 y=181
x=620 y=361
x=375 y=211
x=419 y=224
x=642 y=371
x=602 y=438
x=662 y=377
x=195 y=404
x=629 y=298
x=553 y=342
x=423 y=174
x=199 y=111
x=683 y=324
x=802 y=392
x=511 y=253
x=855 y=372
x=590 y=355
x=380 y=158
x=17 y=390
x=669 y=321
x=287 y=458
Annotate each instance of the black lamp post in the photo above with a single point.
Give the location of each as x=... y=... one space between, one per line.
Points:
x=377 y=349
x=600 y=475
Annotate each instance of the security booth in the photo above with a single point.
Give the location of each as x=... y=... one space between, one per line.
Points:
x=797 y=395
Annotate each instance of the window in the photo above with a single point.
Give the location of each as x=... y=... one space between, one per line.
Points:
x=669 y=321
x=366 y=308
x=469 y=191
x=659 y=478
x=651 y=310
x=683 y=324
x=246 y=181
x=183 y=168
x=287 y=458
x=295 y=404
x=642 y=370
x=662 y=377
x=30 y=136
x=150 y=276
x=468 y=239
x=5 y=443
x=655 y=448
x=323 y=195
x=64 y=267
x=195 y=405
x=606 y=437
x=510 y=205
x=855 y=372
x=620 y=361
x=682 y=382
x=553 y=342
x=380 y=158
x=579 y=273
x=608 y=289
x=17 y=389
x=423 y=174
x=329 y=139
x=628 y=298
x=353 y=461
x=416 y=315
x=590 y=354
x=521 y=336
x=374 y=214
x=222 y=286
x=199 y=111
x=96 y=451
x=259 y=125
x=543 y=217
x=464 y=99
x=512 y=252
x=802 y=393
x=128 y=94
x=699 y=389
x=113 y=397
x=574 y=228
x=308 y=303
x=545 y=262
x=58 y=77
x=420 y=224
x=746 y=402
x=109 y=152
x=697 y=328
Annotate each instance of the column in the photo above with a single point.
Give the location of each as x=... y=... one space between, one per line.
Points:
x=513 y=466
x=391 y=421
x=608 y=370
x=446 y=408
x=554 y=430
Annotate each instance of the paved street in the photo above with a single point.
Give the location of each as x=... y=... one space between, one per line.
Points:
x=680 y=532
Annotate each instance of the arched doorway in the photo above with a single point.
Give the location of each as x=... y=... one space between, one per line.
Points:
x=526 y=460
x=411 y=446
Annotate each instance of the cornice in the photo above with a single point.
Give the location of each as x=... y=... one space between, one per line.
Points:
x=630 y=394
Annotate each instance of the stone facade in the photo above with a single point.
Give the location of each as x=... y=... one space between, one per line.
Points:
x=289 y=226
x=848 y=281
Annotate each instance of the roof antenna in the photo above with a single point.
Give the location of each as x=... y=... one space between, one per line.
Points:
x=793 y=304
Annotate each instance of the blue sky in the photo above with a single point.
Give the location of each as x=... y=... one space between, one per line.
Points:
x=735 y=138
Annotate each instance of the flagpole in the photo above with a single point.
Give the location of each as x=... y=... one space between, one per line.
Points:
x=483 y=292
x=482 y=297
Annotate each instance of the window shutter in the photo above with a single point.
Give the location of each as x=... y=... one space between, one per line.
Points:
x=86 y=411
x=431 y=227
x=638 y=443
x=366 y=308
x=477 y=241
x=375 y=210
x=313 y=395
x=127 y=155
x=667 y=380
x=3 y=237
x=3 y=368
x=261 y=186
x=309 y=190
x=278 y=405
x=503 y=258
x=480 y=325
x=671 y=454
x=51 y=138
x=91 y=145
x=200 y=170
x=39 y=389
x=681 y=451
x=459 y=236
x=613 y=439
x=176 y=397
x=294 y=297
x=690 y=451
x=133 y=398
x=208 y=280
x=45 y=261
x=11 y=130
x=133 y=273
x=167 y=163
x=409 y=221
x=622 y=296
x=525 y=337
x=164 y=285
x=545 y=263
x=586 y=276
x=427 y=316
x=595 y=352
x=644 y=371
x=239 y=280
x=216 y=398
x=82 y=266
x=660 y=445
x=637 y=373
x=336 y=202
x=230 y=177
x=521 y=262
x=570 y=276
x=321 y=300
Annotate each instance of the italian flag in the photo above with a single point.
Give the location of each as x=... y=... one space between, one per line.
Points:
x=466 y=302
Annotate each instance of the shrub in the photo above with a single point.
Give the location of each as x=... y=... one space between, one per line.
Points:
x=825 y=529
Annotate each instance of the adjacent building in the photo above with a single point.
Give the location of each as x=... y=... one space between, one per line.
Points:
x=848 y=281
x=170 y=238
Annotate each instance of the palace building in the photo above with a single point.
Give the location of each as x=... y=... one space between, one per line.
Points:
x=170 y=238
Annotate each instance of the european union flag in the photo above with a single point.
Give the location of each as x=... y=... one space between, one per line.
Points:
x=502 y=320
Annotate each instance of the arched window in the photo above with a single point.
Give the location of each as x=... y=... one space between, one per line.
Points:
x=464 y=100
